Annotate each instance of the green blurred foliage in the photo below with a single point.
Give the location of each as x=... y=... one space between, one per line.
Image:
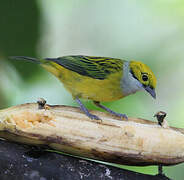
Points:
x=19 y=32
x=150 y=31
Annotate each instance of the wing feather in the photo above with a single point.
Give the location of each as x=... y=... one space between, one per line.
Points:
x=92 y=66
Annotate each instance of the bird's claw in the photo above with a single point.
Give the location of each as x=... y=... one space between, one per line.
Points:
x=121 y=116
x=92 y=116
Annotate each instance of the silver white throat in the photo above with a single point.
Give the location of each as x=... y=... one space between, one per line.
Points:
x=129 y=84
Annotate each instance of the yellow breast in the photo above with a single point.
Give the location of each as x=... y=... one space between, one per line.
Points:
x=86 y=87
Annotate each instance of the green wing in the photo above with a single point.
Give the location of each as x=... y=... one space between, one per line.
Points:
x=95 y=67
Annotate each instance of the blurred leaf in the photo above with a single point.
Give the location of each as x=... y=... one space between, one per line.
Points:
x=19 y=32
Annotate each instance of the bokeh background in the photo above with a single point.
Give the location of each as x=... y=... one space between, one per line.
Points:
x=150 y=31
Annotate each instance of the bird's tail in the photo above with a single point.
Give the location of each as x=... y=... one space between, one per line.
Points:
x=25 y=58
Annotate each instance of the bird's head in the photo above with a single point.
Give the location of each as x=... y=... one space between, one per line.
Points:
x=145 y=76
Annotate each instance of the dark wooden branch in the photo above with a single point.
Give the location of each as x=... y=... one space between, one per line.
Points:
x=21 y=162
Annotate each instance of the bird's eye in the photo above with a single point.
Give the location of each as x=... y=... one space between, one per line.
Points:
x=144 y=77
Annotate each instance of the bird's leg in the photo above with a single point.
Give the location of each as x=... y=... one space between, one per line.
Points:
x=110 y=111
x=85 y=110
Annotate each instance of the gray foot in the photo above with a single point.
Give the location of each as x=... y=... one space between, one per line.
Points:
x=92 y=116
x=122 y=116
x=85 y=110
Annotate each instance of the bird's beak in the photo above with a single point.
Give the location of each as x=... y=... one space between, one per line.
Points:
x=150 y=91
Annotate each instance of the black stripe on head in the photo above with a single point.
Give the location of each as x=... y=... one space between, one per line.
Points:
x=133 y=74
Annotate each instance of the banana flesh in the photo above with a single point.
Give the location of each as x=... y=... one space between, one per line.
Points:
x=63 y=128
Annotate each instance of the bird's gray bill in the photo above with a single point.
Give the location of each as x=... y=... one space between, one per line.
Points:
x=150 y=91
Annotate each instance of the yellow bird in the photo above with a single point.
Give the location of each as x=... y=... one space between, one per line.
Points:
x=99 y=79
